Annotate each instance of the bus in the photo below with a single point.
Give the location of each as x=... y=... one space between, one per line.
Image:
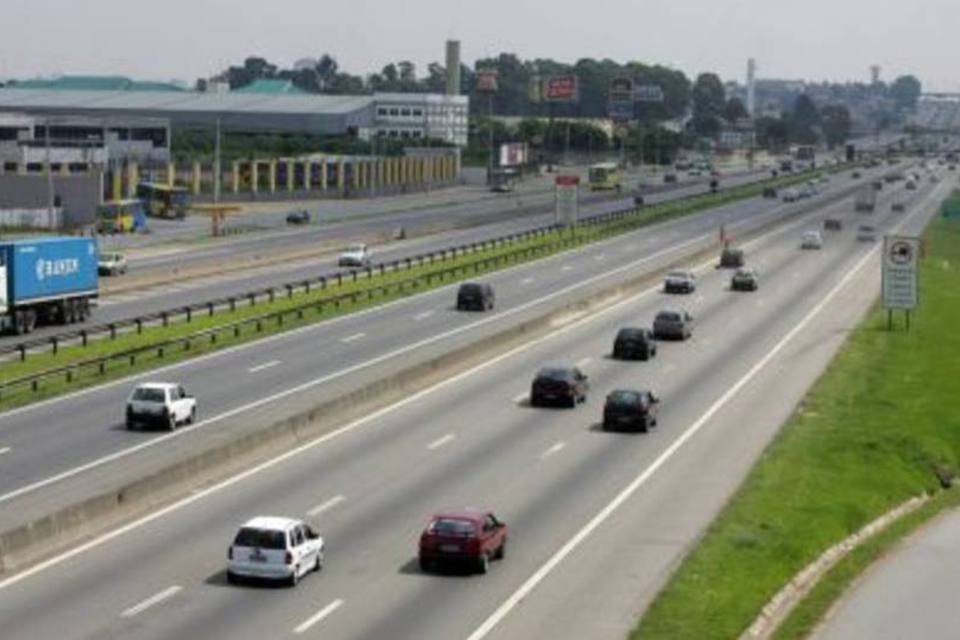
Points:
x=164 y=201
x=120 y=216
x=604 y=176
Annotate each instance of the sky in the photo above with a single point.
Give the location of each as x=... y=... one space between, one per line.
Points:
x=833 y=40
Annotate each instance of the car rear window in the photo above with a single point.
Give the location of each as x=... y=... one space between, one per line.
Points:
x=554 y=374
x=668 y=316
x=452 y=527
x=473 y=289
x=263 y=538
x=147 y=394
x=631 y=334
x=677 y=274
x=624 y=397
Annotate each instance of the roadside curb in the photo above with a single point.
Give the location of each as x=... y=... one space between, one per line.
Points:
x=778 y=608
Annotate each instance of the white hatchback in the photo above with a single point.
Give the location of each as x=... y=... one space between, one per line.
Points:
x=812 y=240
x=160 y=403
x=273 y=548
x=356 y=255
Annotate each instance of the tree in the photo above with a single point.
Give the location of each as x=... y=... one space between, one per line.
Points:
x=734 y=110
x=772 y=133
x=905 y=91
x=836 y=124
x=709 y=100
x=805 y=120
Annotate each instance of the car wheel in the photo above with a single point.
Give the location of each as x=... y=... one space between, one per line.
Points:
x=425 y=565
x=318 y=564
x=534 y=401
x=172 y=421
x=193 y=416
x=131 y=424
x=232 y=578
x=483 y=563
x=572 y=402
x=294 y=577
x=501 y=551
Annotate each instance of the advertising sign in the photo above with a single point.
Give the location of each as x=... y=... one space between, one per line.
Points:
x=621 y=89
x=620 y=110
x=561 y=89
x=900 y=281
x=513 y=154
x=648 y=93
x=568 y=199
x=487 y=80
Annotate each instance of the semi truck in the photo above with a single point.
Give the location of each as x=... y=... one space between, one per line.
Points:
x=866 y=199
x=46 y=281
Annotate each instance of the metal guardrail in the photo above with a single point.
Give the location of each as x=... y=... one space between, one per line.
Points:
x=185 y=343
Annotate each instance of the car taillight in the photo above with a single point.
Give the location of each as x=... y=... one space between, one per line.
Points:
x=288 y=558
x=229 y=553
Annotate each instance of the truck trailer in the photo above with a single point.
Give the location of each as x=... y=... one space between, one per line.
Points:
x=46 y=281
x=866 y=199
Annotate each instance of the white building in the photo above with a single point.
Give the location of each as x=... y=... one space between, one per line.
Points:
x=419 y=116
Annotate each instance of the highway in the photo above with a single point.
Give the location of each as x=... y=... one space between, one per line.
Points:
x=910 y=593
x=597 y=519
x=242 y=388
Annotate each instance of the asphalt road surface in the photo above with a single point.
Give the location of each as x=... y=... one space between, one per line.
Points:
x=597 y=519
x=911 y=593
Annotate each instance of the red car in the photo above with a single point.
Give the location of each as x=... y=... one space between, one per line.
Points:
x=466 y=536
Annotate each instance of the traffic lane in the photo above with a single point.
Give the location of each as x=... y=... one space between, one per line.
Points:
x=415 y=219
x=909 y=593
x=585 y=473
x=56 y=441
x=48 y=445
x=163 y=297
x=573 y=426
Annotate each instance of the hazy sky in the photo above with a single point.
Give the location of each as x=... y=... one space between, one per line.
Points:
x=185 y=39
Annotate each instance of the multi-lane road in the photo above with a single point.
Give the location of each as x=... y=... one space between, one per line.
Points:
x=597 y=519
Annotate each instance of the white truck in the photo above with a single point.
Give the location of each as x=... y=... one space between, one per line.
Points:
x=866 y=199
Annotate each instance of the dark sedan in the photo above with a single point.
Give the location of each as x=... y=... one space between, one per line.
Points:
x=745 y=280
x=634 y=410
x=633 y=343
x=566 y=387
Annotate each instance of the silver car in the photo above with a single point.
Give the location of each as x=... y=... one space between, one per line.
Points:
x=673 y=324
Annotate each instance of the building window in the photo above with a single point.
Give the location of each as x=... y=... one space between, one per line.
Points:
x=394 y=111
x=405 y=134
x=394 y=133
x=418 y=134
x=382 y=111
x=405 y=112
x=418 y=112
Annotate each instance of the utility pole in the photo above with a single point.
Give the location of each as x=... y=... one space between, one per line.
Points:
x=490 y=136
x=50 y=195
x=216 y=164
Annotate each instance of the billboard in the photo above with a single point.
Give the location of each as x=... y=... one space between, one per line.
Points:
x=513 y=154
x=621 y=89
x=568 y=199
x=564 y=88
x=648 y=93
x=487 y=80
x=620 y=110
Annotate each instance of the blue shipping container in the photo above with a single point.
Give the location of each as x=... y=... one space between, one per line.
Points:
x=45 y=268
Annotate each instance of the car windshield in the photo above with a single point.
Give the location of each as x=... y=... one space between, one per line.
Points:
x=630 y=334
x=682 y=275
x=745 y=273
x=554 y=374
x=356 y=248
x=669 y=316
x=263 y=538
x=452 y=527
x=624 y=397
x=149 y=394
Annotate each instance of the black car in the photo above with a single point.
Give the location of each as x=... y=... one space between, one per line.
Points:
x=298 y=217
x=565 y=387
x=475 y=295
x=635 y=410
x=633 y=343
x=669 y=178
x=731 y=258
x=673 y=324
x=770 y=192
x=745 y=280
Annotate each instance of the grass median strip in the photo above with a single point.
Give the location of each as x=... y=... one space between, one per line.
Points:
x=879 y=427
x=303 y=308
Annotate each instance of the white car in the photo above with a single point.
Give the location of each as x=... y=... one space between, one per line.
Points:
x=274 y=548
x=111 y=264
x=790 y=195
x=356 y=255
x=812 y=240
x=160 y=403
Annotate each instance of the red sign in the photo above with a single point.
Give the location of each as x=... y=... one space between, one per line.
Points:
x=567 y=181
x=487 y=80
x=561 y=89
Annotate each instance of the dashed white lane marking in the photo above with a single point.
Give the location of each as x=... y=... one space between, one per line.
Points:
x=599 y=256
x=584 y=361
x=4 y=450
x=153 y=600
x=423 y=316
x=566 y=267
x=520 y=398
x=353 y=338
x=526 y=281
x=318 y=616
x=263 y=367
x=557 y=448
x=326 y=506
x=436 y=444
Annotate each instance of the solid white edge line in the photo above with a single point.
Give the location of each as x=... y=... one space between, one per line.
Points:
x=318 y=616
x=584 y=361
x=540 y=574
x=439 y=442
x=326 y=506
x=263 y=367
x=155 y=599
x=267 y=464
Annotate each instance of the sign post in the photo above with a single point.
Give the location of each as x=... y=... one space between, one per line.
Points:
x=901 y=288
x=567 y=200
